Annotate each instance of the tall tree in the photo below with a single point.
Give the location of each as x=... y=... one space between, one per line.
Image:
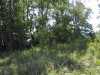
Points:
x=12 y=26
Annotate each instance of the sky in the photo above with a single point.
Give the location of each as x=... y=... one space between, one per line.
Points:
x=93 y=4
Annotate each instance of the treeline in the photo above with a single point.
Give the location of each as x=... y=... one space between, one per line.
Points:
x=24 y=23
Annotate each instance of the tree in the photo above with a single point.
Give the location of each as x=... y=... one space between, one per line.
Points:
x=22 y=20
x=67 y=19
x=12 y=28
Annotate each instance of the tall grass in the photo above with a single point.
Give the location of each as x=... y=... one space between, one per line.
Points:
x=75 y=58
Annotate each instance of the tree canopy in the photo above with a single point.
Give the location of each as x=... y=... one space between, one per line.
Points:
x=42 y=21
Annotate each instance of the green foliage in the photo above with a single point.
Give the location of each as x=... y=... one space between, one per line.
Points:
x=63 y=48
x=53 y=61
x=12 y=24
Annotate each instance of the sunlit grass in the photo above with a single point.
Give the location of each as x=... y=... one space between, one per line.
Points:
x=58 y=60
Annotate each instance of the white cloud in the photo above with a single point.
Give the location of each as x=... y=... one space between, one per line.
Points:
x=93 y=4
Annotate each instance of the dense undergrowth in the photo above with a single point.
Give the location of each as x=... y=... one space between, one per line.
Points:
x=75 y=58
